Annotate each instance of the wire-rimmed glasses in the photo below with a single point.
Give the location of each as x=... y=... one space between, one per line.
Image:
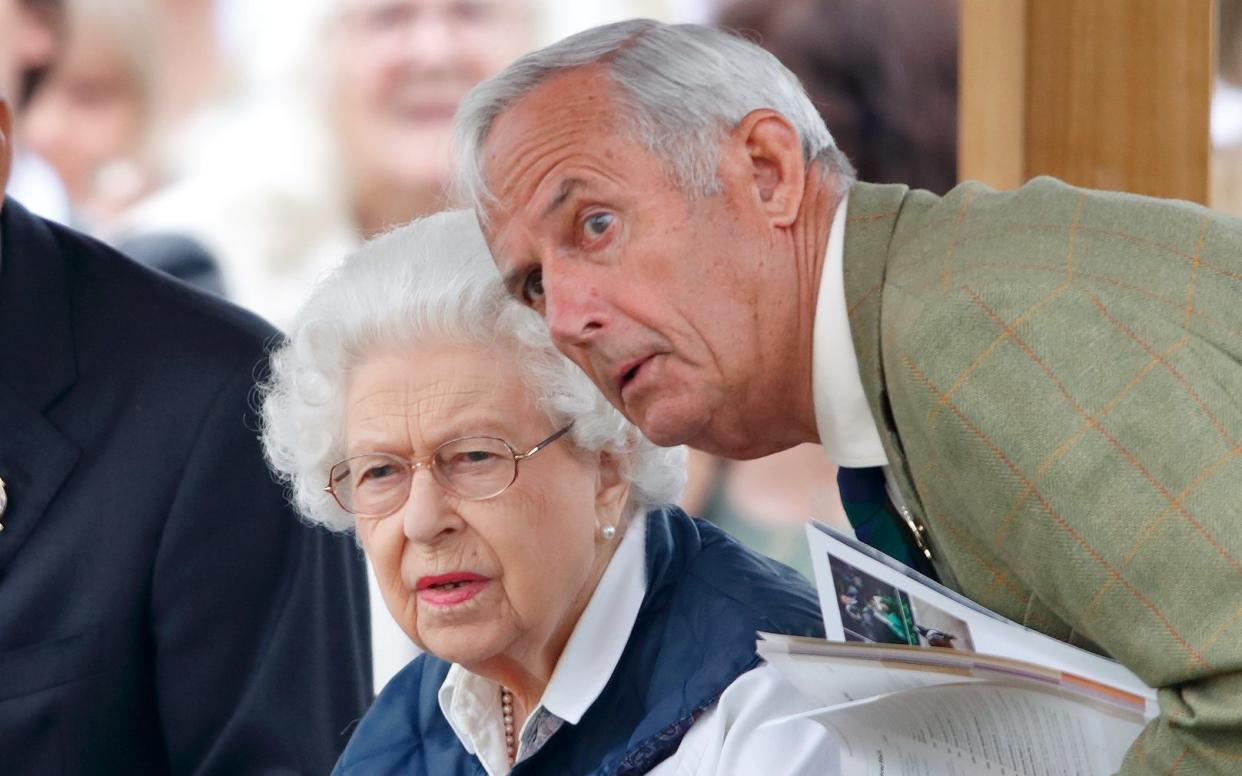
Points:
x=473 y=468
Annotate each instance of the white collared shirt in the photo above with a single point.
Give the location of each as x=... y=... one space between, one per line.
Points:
x=847 y=431
x=729 y=738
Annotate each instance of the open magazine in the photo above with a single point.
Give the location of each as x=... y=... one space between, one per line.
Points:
x=915 y=679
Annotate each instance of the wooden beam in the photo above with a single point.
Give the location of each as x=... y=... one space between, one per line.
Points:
x=1112 y=94
x=992 y=94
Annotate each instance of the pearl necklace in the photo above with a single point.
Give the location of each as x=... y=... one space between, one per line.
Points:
x=506 y=709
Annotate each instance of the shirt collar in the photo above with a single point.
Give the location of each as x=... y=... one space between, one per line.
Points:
x=471 y=703
x=847 y=431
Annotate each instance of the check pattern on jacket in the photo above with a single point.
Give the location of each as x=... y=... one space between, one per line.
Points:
x=1057 y=375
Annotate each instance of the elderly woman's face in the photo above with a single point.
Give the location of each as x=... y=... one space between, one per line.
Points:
x=530 y=557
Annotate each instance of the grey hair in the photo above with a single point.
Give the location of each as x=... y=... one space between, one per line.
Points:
x=431 y=281
x=682 y=88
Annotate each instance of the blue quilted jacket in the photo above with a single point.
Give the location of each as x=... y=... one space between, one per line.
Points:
x=695 y=633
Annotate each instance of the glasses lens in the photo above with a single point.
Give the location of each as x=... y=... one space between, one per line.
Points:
x=475 y=467
x=371 y=485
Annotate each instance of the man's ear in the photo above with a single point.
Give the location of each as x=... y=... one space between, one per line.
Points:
x=612 y=489
x=6 y=144
x=775 y=165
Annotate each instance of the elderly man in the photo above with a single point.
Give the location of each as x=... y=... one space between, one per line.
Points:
x=162 y=611
x=1048 y=376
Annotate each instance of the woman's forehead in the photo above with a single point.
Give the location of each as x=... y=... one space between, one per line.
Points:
x=426 y=396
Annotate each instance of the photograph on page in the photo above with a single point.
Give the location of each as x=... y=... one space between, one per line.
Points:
x=873 y=611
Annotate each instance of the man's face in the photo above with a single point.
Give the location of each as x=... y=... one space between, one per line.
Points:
x=651 y=292
x=401 y=66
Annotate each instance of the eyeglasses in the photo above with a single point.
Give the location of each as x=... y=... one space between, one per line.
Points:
x=472 y=468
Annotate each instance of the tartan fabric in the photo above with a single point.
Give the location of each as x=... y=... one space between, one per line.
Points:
x=874 y=519
x=1057 y=374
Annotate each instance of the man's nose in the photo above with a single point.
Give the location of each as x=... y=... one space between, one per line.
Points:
x=574 y=311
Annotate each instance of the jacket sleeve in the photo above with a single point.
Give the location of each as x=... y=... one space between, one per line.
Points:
x=259 y=620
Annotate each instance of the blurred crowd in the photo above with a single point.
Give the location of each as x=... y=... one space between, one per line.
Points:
x=269 y=142
x=247 y=147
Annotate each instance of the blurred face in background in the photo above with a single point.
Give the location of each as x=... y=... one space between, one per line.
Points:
x=27 y=41
x=8 y=48
x=88 y=120
x=402 y=66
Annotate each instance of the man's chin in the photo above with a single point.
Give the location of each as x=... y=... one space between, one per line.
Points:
x=666 y=428
x=669 y=428
x=664 y=437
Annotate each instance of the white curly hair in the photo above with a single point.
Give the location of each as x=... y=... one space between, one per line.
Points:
x=431 y=281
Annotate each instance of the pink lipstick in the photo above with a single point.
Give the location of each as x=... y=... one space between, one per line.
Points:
x=450 y=589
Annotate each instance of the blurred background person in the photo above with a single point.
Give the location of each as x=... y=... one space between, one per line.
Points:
x=342 y=133
x=131 y=81
x=28 y=44
x=198 y=42
x=104 y=79
x=398 y=70
x=884 y=77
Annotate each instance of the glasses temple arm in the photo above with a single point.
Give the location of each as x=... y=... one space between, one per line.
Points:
x=544 y=443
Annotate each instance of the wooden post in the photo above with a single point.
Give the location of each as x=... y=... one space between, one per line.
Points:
x=1108 y=94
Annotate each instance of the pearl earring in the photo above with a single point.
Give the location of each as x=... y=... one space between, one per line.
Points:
x=608 y=532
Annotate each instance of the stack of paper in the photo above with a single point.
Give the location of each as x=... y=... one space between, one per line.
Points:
x=915 y=679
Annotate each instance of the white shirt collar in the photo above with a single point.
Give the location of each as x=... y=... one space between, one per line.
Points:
x=847 y=431
x=471 y=704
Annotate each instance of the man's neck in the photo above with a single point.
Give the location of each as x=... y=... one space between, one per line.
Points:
x=810 y=246
x=779 y=397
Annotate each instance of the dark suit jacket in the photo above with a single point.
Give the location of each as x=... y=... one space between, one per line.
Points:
x=161 y=608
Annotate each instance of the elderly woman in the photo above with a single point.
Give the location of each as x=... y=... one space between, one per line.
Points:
x=571 y=625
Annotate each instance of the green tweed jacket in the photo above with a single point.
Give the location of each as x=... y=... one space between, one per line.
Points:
x=1057 y=377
